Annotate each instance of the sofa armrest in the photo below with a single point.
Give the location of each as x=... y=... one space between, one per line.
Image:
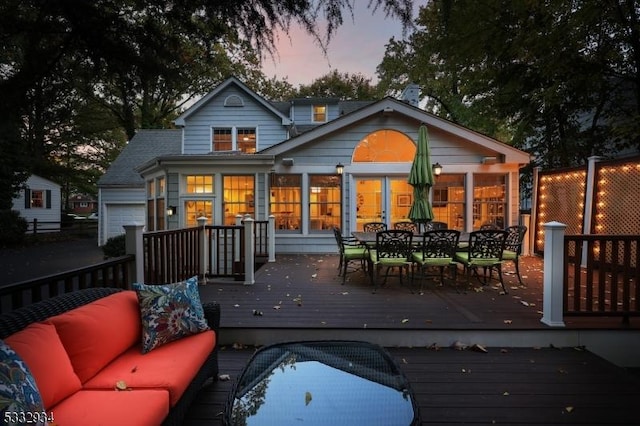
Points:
x=212 y=315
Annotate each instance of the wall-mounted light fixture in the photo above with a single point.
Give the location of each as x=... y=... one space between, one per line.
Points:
x=171 y=210
x=339 y=168
x=437 y=169
x=287 y=162
x=489 y=160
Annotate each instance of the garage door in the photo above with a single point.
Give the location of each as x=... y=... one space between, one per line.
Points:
x=118 y=215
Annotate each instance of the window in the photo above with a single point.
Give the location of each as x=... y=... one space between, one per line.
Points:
x=324 y=202
x=238 y=197
x=286 y=204
x=199 y=184
x=155 y=204
x=489 y=203
x=198 y=208
x=385 y=146
x=448 y=200
x=37 y=199
x=319 y=113
x=241 y=139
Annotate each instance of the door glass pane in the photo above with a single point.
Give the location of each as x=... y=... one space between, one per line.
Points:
x=489 y=202
x=368 y=202
x=401 y=199
x=448 y=201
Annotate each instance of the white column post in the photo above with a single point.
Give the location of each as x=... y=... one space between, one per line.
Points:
x=249 y=252
x=133 y=245
x=271 y=238
x=202 y=243
x=552 y=297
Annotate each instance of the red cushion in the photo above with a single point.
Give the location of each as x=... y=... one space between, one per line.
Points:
x=171 y=366
x=40 y=348
x=111 y=407
x=96 y=333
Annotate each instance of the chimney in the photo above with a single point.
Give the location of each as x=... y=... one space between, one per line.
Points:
x=411 y=94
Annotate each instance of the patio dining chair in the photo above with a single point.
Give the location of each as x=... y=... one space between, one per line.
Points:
x=435 y=226
x=484 y=251
x=488 y=226
x=406 y=226
x=392 y=250
x=374 y=227
x=513 y=246
x=350 y=251
x=437 y=251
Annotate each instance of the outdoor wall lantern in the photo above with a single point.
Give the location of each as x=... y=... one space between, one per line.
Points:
x=437 y=169
x=171 y=210
x=339 y=168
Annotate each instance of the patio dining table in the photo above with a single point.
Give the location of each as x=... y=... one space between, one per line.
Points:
x=369 y=238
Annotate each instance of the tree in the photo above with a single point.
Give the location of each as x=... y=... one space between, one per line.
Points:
x=340 y=85
x=560 y=80
x=140 y=60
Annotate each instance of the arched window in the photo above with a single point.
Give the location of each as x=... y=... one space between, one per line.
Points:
x=385 y=146
x=233 y=101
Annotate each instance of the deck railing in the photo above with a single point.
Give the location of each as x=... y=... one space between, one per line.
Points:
x=171 y=256
x=115 y=272
x=601 y=275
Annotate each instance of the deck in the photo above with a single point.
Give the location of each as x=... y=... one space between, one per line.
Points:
x=525 y=378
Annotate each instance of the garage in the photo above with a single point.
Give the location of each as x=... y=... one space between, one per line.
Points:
x=118 y=215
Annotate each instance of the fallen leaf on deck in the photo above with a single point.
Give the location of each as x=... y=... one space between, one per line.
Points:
x=524 y=303
x=506 y=393
x=307 y=398
x=562 y=371
x=314 y=276
x=568 y=409
x=479 y=348
x=257 y=313
x=224 y=377
x=276 y=307
x=459 y=346
x=434 y=347
x=428 y=321
x=404 y=361
x=404 y=321
x=504 y=351
x=344 y=293
x=236 y=306
x=508 y=321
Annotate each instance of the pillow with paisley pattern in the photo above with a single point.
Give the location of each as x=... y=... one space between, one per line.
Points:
x=169 y=312
x=18 y=390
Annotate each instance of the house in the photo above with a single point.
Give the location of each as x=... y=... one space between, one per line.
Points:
x=40 y=200
x=82 y=204
x=311 y=163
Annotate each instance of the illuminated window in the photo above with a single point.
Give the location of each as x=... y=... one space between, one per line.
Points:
x=385 y=146
x=198 y=208
x=286 y=203
x=324 y=202
x=489 y=200
x=37 y=199
x=200 y=184
x=238 y=197
x=234 y=139
x=319 y=113
x=448 y=200
x=155 y=204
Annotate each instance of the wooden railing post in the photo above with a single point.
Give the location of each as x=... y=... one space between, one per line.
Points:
x=525 y=220
x=202 y=246
x=134 y=246
x=249 y=252
x=552 y=297
x=271 y=238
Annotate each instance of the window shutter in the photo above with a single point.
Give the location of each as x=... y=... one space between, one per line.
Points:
x=27 y=198
x=48 y=200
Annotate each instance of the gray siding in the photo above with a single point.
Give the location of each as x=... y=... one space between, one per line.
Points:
x=197 y=132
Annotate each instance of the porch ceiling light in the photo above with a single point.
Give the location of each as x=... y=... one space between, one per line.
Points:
x=437 y=169
x=339 y=168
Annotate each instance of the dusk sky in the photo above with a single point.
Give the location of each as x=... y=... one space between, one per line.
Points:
x=357 y=47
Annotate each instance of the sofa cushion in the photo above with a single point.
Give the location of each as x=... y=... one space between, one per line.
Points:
x=172 y=366
x=18 y=389
x=111 y=407
x=41 y=349
x=169 y=312
x=96 y=333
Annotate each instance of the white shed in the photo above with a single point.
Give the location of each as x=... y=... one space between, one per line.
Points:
x=40 y=201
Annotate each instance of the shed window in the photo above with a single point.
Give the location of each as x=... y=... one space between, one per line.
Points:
x=37 y=199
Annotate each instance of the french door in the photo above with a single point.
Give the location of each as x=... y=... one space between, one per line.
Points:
x=384 y=199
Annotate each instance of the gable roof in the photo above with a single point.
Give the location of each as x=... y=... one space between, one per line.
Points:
x=144 y=146
x=392 y=105
x=180 y=121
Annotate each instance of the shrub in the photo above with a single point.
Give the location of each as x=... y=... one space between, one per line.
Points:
x=13 y=228
x=115 y=246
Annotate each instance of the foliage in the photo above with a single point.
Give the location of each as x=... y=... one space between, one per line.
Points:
x=115 y=246
x=13 y=228
x=78 y=78
x=558 y=79
x=340 y=85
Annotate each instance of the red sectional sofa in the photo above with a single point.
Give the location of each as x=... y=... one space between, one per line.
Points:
x=83 y=350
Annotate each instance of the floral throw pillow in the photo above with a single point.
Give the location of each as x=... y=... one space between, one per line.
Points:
x=169 y=312
x=18 y=390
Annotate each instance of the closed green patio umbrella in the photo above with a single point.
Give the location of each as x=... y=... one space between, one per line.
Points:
x=421 y=178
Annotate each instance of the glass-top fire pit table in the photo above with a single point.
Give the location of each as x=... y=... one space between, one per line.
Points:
x=324 y=383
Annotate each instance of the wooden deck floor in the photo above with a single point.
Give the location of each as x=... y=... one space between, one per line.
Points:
x=305 y=291
x=515 y=386
x=507 y=385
